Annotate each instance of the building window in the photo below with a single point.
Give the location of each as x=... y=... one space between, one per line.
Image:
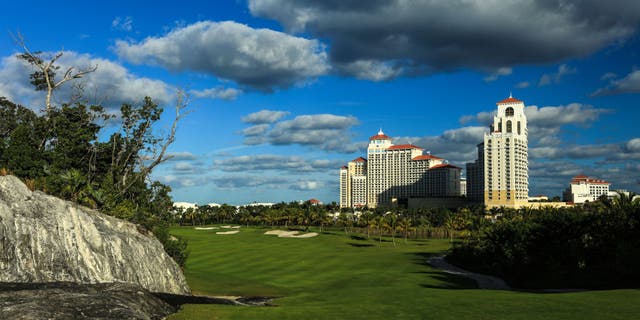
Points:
x=508 y=112
x=509 y=126
x=518 y=127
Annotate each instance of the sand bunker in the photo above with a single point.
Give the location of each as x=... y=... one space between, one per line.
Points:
x=205 y=228
x=290 y=234
x=230 y=227
x=228 y=232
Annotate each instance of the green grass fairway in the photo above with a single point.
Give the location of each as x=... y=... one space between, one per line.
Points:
x=333 y=276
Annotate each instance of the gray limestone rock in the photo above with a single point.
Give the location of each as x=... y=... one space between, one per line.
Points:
x=46 y=239
x=67 y=300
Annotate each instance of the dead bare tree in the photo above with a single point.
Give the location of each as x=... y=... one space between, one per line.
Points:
x=44 y=77
x=136 y=151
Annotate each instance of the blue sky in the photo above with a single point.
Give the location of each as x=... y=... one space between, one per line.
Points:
x=285 y=92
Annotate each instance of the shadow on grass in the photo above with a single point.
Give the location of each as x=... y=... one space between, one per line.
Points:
x=358 y=238
x=448 y=281
x=438 y=279
x=359 y=245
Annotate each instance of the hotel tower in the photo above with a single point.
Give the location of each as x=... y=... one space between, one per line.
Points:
x=506 y=177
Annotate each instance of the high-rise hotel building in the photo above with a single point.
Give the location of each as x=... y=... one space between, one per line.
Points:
x=394 y=172
x=502 y=165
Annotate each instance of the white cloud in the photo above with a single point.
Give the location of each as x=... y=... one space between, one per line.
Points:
x=217 y=93
x=373 y=70
x=181 y=156
x=256 y=130
x=264 y=116
x=305 y=185
x=258 y=58
x=523 y=84
x=110 y=85
x=324 y=131
x=629 y=84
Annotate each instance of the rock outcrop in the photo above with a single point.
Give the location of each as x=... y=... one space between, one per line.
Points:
x=80 y=301
x=46 y=239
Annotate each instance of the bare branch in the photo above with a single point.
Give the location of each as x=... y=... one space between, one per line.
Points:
x=48 y=69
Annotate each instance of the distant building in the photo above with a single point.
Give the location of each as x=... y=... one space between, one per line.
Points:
x=463 y=187
x=475 y=177
x=582 y=189
x=185 y=205
x=314 y=202
x=353 y=184
x=395 y=172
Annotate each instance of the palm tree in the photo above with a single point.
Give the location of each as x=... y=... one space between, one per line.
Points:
x=305 y=218
x=345 y=221
x=449 y=225
x=379 y=224
x=405 y=226
x=365 y=220
x=390 y=224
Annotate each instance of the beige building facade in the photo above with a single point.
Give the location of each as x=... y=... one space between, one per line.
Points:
x=505 y=163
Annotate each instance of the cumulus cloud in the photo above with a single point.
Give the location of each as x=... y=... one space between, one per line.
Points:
x=264 y=116
x=325 y=131
x=426 y=36
x=374 y=70
x=554 y=116
x=523 y=84
x=629 y=84
x=217 y=93
x=110 y=85
x=275 y=162
x=456 y=145
x=545 y=123
x=256 y=130
x=258 y=58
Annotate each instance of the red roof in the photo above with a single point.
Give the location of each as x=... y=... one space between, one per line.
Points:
x=359 y=159
x=403 y=146
x=444 y=165
x=380 y=137
x=314 y=201
x=509 y=100
x=583 y=178
x=426 y=157
x=344 y=167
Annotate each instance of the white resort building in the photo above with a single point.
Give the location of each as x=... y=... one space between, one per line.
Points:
x=395 y=173
x=585 y=189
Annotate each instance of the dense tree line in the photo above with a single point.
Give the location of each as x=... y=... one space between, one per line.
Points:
x=58 y=151
x=592 y=246
x=378 y=222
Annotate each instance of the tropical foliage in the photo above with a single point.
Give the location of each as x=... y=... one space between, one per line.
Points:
x=592 y=246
